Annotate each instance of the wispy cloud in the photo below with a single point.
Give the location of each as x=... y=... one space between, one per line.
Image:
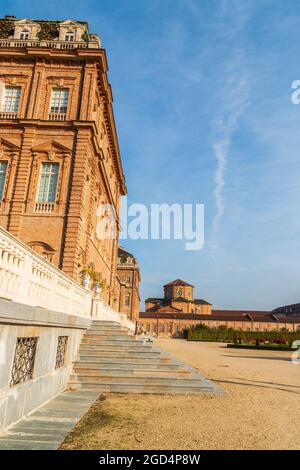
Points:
x=233 y=103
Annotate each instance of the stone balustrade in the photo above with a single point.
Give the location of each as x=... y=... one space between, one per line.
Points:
x=44 y=207
x=49 y=44
x=101 y=311
x=7 y=115
x=57 y=117
x=27 y=278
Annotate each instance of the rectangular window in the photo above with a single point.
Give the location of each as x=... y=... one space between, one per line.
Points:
x=70 y=36
x=128 y=280
x=3 y=169
x=11 y=99
x=48 y=182
x=127 y=301
x=23 y=360
x=59 y=100
x=25 y=34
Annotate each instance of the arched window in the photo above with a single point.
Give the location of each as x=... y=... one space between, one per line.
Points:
x=25 y=34
x=43 y=249
x=70 y=36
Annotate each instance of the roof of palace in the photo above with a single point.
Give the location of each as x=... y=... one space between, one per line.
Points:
x=178 y=282
x=223 y=315
x=201 y=302
x=123 y=253
x=49 y=28
x=165 y=309
x=177 y=299
x=288 y=309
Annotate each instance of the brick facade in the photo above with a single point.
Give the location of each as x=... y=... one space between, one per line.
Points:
x=82 y=141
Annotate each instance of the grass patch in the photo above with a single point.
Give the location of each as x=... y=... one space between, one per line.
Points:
x=268 y=347
x=101 y=426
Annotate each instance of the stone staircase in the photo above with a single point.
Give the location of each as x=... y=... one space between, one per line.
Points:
x=112 y=359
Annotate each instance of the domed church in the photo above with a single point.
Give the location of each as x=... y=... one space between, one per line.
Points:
x=178 y=297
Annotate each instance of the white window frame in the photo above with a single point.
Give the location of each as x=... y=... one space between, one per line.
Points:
x=59 y=103
x=25 y=34
x=10 y=103
x=70 y=36
x=46 y=199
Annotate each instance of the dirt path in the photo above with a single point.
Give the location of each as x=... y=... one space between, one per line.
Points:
x=261 y=410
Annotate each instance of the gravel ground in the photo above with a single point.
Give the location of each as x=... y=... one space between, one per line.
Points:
x=261 y=410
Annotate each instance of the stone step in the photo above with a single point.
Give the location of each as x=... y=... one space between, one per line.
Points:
x=114 y=360
x=118 y=345
x=102 y=338
x=153 y=389
x=110 y=330
x=108 y=324
x=121 y=360
x=117 y=341
x=86 y=372
x=100 y=344
x=117 y=349
x=111 y=347
x=124 y=366
x=113 y=334
x=145 y=379
x=118 y=354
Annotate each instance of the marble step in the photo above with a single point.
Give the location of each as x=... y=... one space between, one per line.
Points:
x=169 y=389
x=105 y=338
x=142 y=378
x=78 y=366
x=108 y=371
x=118 y=353
x=120 y=360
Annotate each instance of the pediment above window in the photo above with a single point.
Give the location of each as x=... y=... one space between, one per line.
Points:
x=26 y=29
x=68 y=27
x=51 y=148
x=6 y=145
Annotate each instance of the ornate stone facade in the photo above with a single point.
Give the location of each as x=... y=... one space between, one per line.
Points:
x=60 y=164
x=128 y=284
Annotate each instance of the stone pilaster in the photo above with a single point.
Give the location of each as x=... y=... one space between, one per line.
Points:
x=19 y=195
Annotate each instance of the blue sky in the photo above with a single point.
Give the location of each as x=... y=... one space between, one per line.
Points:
x=202 y=99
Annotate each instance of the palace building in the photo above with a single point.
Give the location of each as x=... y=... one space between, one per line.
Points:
x=178 y=297
x=61 y=174
x=128 y=284
x=179 y=310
